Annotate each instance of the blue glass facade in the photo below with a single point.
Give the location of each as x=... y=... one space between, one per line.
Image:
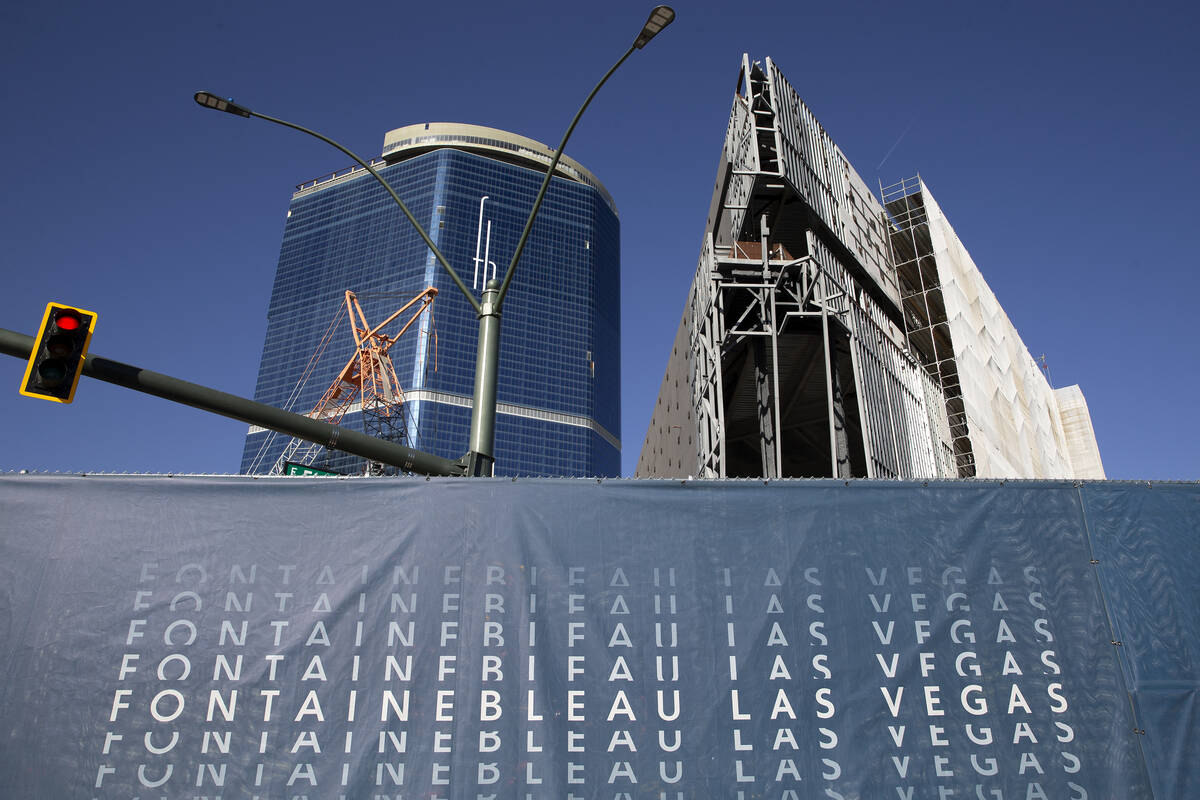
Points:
x=559 y=372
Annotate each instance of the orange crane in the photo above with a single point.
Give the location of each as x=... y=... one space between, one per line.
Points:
x=368 y=379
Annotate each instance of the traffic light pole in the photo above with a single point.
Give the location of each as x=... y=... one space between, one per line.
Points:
x=229 y=405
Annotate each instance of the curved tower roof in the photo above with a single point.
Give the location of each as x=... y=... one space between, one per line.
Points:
x=413 y=140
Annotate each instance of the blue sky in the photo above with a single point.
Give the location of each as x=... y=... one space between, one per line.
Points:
x=1060 y=144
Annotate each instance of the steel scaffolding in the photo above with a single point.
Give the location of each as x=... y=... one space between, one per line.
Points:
x=926 y=326
x=792 y=348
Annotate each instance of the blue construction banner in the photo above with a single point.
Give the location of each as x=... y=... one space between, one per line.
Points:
x=1146 y=539
x=409 y=638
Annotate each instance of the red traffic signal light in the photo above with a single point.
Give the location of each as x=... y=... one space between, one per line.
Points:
x=57 y=358
x=68 y=319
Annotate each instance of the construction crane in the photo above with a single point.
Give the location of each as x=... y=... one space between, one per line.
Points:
x=367 y=382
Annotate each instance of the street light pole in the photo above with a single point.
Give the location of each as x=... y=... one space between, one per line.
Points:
x=480 y=457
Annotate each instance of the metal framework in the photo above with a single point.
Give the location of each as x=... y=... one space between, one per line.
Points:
x=366 y=383
x=795 y=362
x=926 y=325
x=831 y=333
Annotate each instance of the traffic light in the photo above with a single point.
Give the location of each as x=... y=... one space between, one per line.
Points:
x=57 y=358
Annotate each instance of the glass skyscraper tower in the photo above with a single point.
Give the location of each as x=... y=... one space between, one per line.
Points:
x=472 y=187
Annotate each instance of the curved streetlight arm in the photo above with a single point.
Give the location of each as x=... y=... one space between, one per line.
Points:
x=537 y=204
x=660 y=17
x=441 y=259
x=210 y=100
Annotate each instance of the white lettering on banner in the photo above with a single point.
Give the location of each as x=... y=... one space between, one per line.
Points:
x=477 y=675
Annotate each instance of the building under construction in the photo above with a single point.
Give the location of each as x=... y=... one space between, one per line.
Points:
x=830 y=333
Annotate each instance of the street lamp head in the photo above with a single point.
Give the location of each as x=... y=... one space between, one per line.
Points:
x=210 y=100
x=660 y=17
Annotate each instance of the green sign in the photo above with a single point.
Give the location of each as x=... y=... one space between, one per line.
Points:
x=292 y=468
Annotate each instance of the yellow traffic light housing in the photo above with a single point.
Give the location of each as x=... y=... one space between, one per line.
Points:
x=57 y=358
